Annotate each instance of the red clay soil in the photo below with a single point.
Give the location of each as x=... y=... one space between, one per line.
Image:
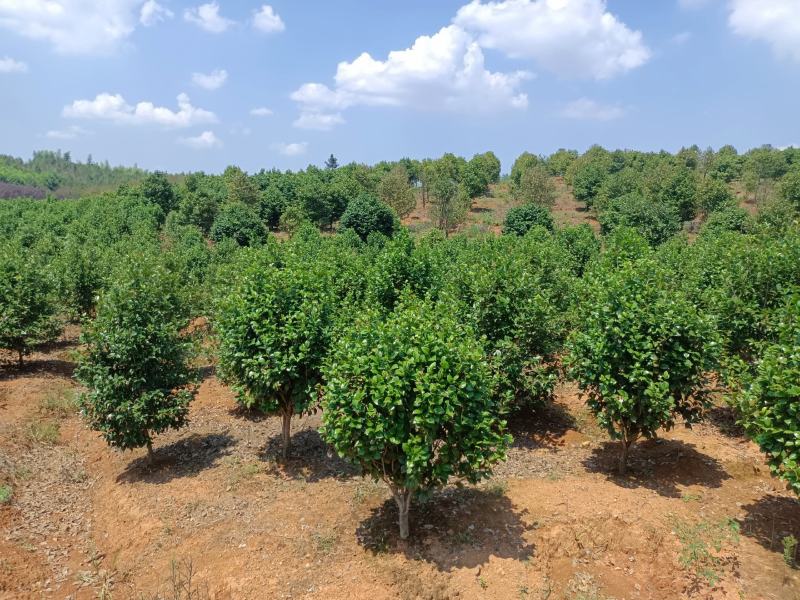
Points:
x=555 y=522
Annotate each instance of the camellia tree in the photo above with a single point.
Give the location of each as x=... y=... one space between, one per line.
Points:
x=408 y=398
x=770 y=404
x=642 y=352
x=27 y=306
x=137 y=362
x=273 y=329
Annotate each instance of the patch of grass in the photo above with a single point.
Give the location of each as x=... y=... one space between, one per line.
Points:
x=6 y=492
x=60 y=402
x=691 y=497
x=325 y=542
x=789 y=550
x=366 y=489
x=242 y=471
x=701 y=544
x=43 y=431
x=497 y=487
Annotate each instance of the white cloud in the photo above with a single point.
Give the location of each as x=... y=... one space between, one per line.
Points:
x=573 y=38
x=318 y=121
x=114 y=108
x=589 y=110
x=206 y=16
x=204 y=141
x=442 y=71
x=261 y=111
x=292 y=149
x=776 y=22
x=152 y=12
x=72 y=26
x=210 y=81
x=267 y=20
x=9 y=65
x=70 y=133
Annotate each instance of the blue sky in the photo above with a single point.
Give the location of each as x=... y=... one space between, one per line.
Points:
x=178 y=85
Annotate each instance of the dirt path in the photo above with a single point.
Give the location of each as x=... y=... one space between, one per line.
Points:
x=555 y=522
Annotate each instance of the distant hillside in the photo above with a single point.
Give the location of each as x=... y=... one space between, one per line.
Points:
x=56 y=174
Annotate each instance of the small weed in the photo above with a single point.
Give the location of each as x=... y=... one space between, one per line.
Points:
x=365 y=490
x=464 y=538
x=44 y=431
x=482 y=582
x=497 y=487
x=701 y=543
x=325 y=542
x=6 y=492
x=583 y=587
x=241 y=472
x=523 y=591
x=181 y=585
x=691 y=497
x=789 y=549
x=60 y=402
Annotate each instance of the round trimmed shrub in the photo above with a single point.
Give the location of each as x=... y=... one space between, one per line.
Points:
x=522 y=219
x=367 y=214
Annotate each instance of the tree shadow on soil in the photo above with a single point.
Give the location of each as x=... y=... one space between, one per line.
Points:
x=456 y=528
x=183 y=458
x=542 y=428
x=723 y=418
x=660 y=465
x=771 y=518
x=310 y=458
x=33 y=367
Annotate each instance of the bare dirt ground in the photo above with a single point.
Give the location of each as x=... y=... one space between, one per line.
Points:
x=555 y=522
x=487 y=213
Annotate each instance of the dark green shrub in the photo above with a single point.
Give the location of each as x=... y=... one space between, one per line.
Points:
x=366 y=214
x=240 y=223
x=408 y=399
x=655 y=221
x=273 y=327
x=522 y=219
x=641 y=353
x=27 y=302
x=136 y=366
x=770 y=404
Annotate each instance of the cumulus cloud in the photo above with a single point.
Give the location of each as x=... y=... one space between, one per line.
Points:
x=261 y=111
x=573 y=38
x=776 y=22
x=291 y=149
x=267 y=20
x=318 y=121
x=442 y=71
x=72 y=26
x=70 y=133
x=589 y=110
x=210 y=81
x=113 y=107
x=9 y=65
x=207 y=17
x=204 y=141
x=152 y=12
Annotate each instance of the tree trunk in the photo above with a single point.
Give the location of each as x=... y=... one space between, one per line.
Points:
x=150 y=455
x=19 y=358
x=623 y=457
x=287 y=432
x=402 y=497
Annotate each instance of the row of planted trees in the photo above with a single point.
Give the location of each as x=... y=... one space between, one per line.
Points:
x=418 y=351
